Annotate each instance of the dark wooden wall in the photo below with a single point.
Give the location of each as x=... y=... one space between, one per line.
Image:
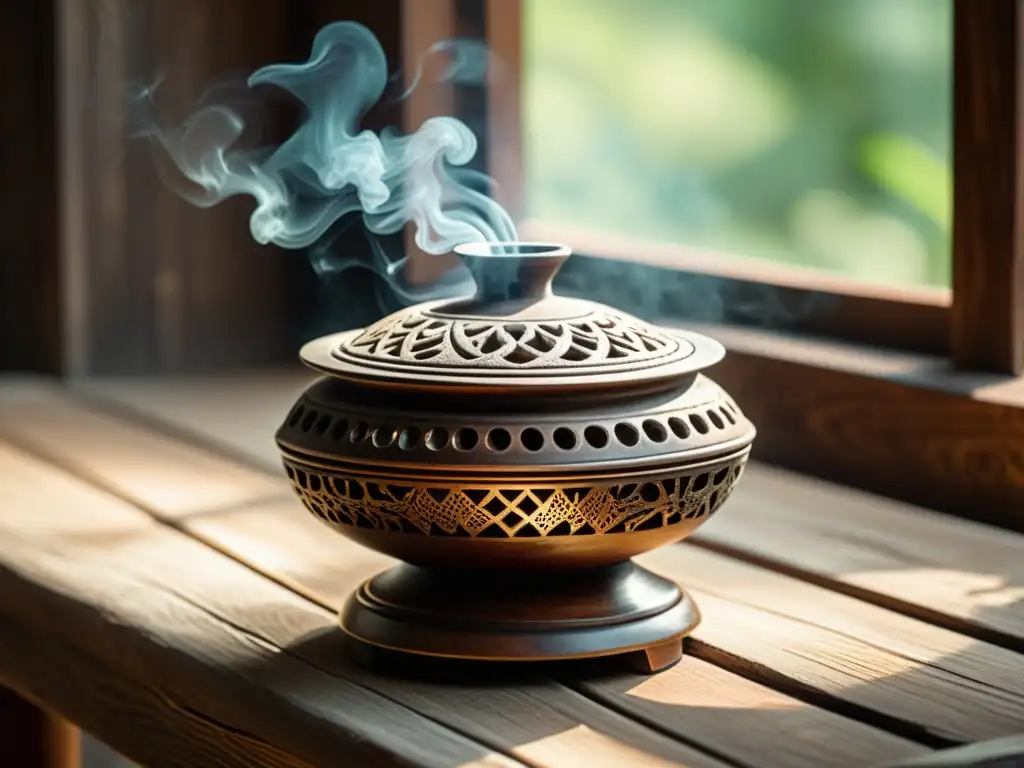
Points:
x=104 y=270
x=29 y=284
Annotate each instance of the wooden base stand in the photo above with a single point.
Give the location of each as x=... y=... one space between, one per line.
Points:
x=517 y=616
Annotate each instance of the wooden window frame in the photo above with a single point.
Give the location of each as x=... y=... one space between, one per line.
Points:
x=911 y=394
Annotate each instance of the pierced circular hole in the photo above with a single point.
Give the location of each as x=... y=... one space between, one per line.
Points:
x=728 y=415
x=340 y=428
x=532 y=439
x=358 y=433
x=437 y=438
x=627 y=434
x=565 y=438
x=296 y=415
x=307 y=422
x=409 y=438
x=384 y=435
x=596 y=437
x=655 y=430
x=679 y=427
x=499 y=439
x=323 y=424
x=466 y=439
x=698 y=423
x=716 y=419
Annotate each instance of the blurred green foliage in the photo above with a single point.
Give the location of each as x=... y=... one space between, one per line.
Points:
x=814 y=132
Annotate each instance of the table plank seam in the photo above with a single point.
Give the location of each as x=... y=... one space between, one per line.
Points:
x=889 y=602
x=782 y=683
x=805 y=622
x=128 y=414
x=770 y=679
x=867 y=596
x=31 y=585
x=655 y=724
x=180 y=525
x=92 y=720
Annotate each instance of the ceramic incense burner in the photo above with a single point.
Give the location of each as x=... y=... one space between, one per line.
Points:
x=515 y=449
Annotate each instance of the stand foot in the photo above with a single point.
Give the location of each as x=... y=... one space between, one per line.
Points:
x=656 y=657
x=494 y=616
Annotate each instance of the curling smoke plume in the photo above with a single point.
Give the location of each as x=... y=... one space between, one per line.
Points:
x=330 y=168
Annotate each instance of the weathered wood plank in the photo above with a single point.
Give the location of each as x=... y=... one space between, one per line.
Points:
x=286 y=650
x=190 y=633
x=998 y=753
x=746 y=721
x=959 y=574
x=956 y=573
x=280 y=539
x=804 y=637
x=148 y=467
x=717 y=710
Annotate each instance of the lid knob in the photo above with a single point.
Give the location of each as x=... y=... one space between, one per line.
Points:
x=512 y=271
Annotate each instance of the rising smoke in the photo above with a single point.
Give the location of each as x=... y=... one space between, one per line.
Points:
x=329 y=168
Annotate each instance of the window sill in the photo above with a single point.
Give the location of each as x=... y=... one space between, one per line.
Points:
x=799 y=299
x=900 y=424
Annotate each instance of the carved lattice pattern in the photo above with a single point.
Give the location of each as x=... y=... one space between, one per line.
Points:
x=513 y=512
x=605 y=338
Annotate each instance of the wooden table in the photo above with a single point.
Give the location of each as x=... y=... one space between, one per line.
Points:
x=161 y=588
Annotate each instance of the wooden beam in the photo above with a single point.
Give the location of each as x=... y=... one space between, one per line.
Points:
x=30 y=737
x=425 y=23
x=151 y=283
x=504 y=31
x=988 y=184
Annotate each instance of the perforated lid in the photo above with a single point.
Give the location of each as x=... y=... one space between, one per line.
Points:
x=514 y=332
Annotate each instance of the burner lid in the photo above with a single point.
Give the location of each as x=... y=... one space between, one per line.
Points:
x=513 y=333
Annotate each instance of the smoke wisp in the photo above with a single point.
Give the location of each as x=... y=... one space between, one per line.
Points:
x=329 y=167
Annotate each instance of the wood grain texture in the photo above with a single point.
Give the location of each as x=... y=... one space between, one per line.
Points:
x=503 y=27
x=736 y=719
x=919 y=679
x=998 y=753
x=743 y=630
x=154 y=284
x=202 y=638
x=988 y=262
x=172 y=476
x=925 y=446
x=214 y=603
x=745 y=721
x=958 y=574
x=280 y=539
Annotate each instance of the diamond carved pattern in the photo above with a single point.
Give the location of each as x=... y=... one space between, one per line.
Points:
x=480 y=511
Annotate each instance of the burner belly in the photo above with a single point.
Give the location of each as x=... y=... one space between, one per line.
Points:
x=515 y=452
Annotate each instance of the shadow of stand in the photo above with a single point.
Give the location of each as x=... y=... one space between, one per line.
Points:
x=442 y=688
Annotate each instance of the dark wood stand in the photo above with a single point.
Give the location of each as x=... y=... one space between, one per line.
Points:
x=532 y=616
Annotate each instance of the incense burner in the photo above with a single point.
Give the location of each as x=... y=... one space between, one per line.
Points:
x=515 y=449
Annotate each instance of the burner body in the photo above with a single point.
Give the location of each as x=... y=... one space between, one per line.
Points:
x=515 y=450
